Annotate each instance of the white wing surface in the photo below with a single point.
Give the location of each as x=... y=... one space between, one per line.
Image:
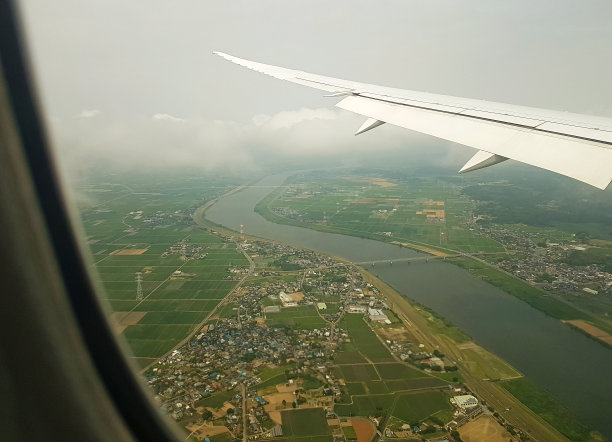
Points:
x=578 y=146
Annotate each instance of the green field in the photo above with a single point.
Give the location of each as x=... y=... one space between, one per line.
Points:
x=376 y=387
x=372 y=388
x=592 y=255
x=416 y=407
x=216 y=400
x=415 y=384
x=349 y=432
x=355 y=388
x=273 y=376
x=348 y=357
x=358 y=372
x=305 y=425
x=131 y=229
x=362 y=203
x=368 y=405
x=174 y=306
x=364 y=339
x=300 y=317
x=397 y=371
x=485 y=365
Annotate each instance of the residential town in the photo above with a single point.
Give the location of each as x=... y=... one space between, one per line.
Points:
x=544 y=263
x=275 y=344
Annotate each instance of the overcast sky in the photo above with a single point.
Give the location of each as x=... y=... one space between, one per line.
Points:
x=136 y=81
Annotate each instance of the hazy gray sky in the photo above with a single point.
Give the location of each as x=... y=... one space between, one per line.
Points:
x=136 y=81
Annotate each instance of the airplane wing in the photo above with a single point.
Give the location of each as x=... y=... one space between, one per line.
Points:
x=578 y=146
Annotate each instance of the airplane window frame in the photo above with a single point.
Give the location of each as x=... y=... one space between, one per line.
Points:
x=126 y=393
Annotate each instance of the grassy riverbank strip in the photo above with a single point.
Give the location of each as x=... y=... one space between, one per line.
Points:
x=551 y=410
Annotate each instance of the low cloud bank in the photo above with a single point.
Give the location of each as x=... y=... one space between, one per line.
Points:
x=169 y=141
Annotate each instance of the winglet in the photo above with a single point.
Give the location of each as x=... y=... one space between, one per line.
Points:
x=481 y=160
x=370 y=123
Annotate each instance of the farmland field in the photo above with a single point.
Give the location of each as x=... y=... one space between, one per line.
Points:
x=306 y=425
x=397 y=371
x=366 y=205
x=415 y=384
x=134 y=233
x=348 y=357
x=358 y=372
x=373 y=387
x=216 y=400
x=368 y=405
x=364 y=338
x=415 y=407
x=302 y=318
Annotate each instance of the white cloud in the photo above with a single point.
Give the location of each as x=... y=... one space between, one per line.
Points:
x=288 y=119
x=88 y=113
x=301 y=135
x=166 y=117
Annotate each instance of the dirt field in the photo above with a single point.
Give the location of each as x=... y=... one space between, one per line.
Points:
x=297 y=296
x=275 y=403
x=201 y=432
x=364 y=429
x=591 y=330
x=275 y=416
x=286 y=388
x=394 y=334
x=121 y=320
x=376 y=181
x=484 y=428
x=129 y=252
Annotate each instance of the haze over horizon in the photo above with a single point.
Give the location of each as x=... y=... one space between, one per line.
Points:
x=136 y=85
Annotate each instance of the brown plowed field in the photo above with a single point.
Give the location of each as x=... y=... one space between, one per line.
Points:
x=364 y=429
x=484 y=428
x=128 y=252
x=121 y=320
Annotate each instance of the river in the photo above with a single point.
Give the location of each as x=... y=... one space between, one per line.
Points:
x=574 y=368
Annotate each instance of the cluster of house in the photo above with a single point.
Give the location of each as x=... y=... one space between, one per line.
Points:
x=232 y=351
x=185 y=250
x=542 y=262
x=235 y=349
